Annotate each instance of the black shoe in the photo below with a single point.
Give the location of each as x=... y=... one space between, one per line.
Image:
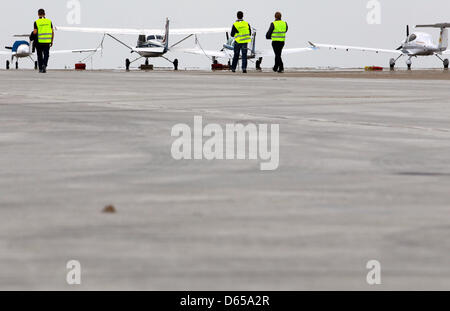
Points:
x=274 y=69
x=40 y=71
x=232 y=70
x=245 y=71
x=44 y=69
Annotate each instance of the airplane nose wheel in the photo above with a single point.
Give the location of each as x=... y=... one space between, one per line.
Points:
x=127 y=64
x=409 y=64
x=446 y=63
x=7 y=65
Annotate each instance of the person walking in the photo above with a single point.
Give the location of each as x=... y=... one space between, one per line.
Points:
x=43 y=29
x=241 y=31
x=277 y=33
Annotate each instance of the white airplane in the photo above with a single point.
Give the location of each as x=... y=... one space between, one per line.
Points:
x=151 y=42
x=415 y=44
x=23 y=49
x=227 y=52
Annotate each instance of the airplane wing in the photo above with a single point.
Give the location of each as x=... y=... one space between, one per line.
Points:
x=75 y=51
x=229 y=54
x=130 y=31
x=198 y=31
x=285 y=51
x=353 y=48
x=198 y=51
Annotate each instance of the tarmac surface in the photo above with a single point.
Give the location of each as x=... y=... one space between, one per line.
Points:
x=364 y=175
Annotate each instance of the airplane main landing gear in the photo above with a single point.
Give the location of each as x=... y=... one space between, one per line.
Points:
x=7 y=65
x=392 y=64
x=174 y=62
x=393 y=61
x=17 y=65
x=444 y=61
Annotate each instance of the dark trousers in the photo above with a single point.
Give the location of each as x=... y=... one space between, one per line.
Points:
x=238 y=47
x=278 y=50
x=43 y=53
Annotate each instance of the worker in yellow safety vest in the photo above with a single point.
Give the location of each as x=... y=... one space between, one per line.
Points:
x=43 y=31
x=277 y=33
x=242 y=33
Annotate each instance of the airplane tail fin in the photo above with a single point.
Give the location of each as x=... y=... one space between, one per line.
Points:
x=166 y=35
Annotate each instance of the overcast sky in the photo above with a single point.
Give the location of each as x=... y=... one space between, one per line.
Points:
x=323 y=21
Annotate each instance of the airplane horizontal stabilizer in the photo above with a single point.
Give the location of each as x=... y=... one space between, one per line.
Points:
x=439 y=25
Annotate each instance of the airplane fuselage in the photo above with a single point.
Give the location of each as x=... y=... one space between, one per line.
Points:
x=150 y=52
x=153 y=46
x=21 y=51
x=420 y=44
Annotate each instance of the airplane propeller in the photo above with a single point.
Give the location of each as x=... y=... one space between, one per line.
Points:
x=407 y=36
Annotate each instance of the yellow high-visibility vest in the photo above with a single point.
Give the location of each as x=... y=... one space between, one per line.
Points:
x=243 y=35
x=279 y=33
x=45 y=31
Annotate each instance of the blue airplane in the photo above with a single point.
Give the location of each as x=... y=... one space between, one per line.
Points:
x=23 y=49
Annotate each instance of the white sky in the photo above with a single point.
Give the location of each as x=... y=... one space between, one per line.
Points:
x=323 y=21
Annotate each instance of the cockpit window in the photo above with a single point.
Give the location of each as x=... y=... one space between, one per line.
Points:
x=152 y=37
x=412 y=38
